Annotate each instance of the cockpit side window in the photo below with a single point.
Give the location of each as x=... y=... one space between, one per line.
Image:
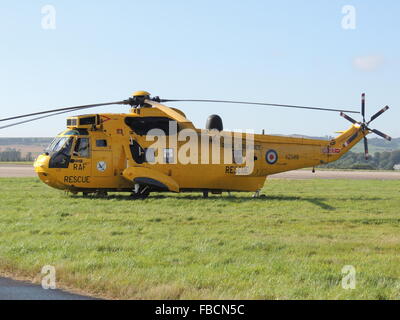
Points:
x=61 y=152
x=66 y=148
x=60 y=144
x=51 y=145
x=82 y=148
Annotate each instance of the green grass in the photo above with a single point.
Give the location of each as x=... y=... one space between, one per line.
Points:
x=292 y=244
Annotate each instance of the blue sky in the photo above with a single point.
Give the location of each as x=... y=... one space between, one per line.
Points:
x=289 y=52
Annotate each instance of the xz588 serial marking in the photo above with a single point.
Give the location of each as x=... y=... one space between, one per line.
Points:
x=292 y=157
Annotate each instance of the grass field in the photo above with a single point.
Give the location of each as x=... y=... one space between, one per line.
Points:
x=292 y=244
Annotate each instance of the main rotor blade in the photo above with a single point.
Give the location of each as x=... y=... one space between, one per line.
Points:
x=381 y=134
x=258 y=104
x=62 y=109
x=348 y=118
x=166 y=109
x=366 y=148
x=38 y=118
x=363 y=106
x=378 y=114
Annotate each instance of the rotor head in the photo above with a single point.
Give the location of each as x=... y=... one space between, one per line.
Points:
x=141 y=94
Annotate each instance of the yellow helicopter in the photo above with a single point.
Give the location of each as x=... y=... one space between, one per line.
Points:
x=155 y=148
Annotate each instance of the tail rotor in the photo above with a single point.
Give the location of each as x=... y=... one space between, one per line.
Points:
x=364 y=125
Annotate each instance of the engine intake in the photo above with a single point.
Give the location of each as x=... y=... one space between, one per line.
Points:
x=214 y=122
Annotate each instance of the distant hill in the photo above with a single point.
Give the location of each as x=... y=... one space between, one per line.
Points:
x=378 y=145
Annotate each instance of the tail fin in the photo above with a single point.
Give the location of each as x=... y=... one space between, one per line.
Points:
x=345 y=142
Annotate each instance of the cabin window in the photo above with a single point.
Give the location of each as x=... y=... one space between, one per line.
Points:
x=141 y=126
x=101 y=143
x=82 y=148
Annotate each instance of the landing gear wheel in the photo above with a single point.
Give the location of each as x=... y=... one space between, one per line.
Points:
x=101 y=194
x=256 y=195
x=140 y=192
x=205 y=194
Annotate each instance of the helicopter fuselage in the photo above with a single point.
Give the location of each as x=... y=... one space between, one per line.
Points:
x=115 y=152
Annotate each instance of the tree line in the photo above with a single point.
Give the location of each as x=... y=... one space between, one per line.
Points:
x=378 y=161
x=13 y=155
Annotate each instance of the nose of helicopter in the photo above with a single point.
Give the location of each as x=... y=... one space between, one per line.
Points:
x=41 y=163
x=46 y=174
x=41 y=166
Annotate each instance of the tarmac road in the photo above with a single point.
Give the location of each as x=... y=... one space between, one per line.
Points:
x=16 y=171
x=19 y=171
x=18 y=290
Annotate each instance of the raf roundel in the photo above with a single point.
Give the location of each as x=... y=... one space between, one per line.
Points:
x=271 y=156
